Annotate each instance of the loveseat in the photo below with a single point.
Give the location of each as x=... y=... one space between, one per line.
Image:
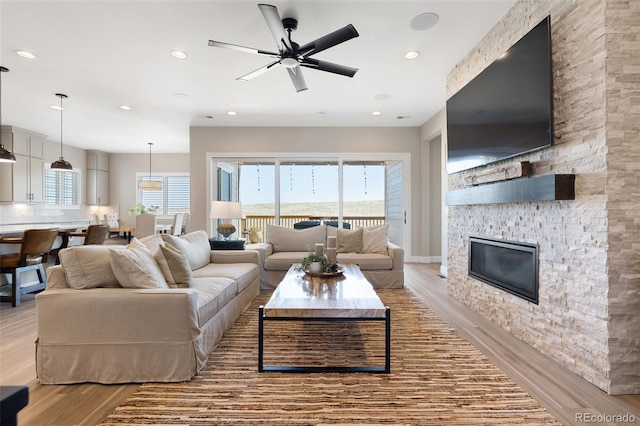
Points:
x=381 y=262
x=151 y=311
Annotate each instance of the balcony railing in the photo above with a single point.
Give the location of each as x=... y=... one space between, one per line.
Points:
x=356 y=222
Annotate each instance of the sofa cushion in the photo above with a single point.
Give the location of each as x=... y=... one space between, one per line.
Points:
x=213 y=294
x=366 y=261
x=174 y=266
x=288 y=239
x=136 y=268
x=152 y=242
x=349 y=241
x=89 y=266
x=243 y=273
x=374 y=239
x=283 y=260
x=194 y=245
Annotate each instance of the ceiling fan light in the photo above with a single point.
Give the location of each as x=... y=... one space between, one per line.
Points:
x=289 y=62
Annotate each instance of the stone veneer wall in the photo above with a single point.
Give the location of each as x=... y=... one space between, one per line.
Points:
x=587 y=318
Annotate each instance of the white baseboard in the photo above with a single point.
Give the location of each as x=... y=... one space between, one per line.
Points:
x=424 y=259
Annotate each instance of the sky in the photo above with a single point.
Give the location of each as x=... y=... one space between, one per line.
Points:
x=310 y=184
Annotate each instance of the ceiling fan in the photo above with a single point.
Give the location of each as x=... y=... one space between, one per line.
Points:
x=290 y=54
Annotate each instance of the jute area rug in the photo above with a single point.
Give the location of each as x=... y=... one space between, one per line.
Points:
x=437 y=377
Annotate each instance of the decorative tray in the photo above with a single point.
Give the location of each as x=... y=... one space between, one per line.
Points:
x=325 y=274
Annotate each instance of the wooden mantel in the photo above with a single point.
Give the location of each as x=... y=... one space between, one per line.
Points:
x=538 y=188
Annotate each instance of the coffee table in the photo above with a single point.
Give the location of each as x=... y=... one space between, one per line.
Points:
x=345 y=297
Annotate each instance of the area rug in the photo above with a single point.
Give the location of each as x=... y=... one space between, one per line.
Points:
x=437 y=377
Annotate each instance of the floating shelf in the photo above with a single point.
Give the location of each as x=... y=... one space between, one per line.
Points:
x=538 y=188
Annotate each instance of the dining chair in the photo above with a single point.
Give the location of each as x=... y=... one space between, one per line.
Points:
x=185 y=223
x=34 y=252
x=145 y=225
x=113 y=221
x=176 y=228
x=96 y=234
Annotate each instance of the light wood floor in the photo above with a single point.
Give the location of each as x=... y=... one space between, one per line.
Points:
x=563 y=393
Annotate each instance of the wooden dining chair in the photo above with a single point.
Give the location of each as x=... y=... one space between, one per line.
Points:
x=96 y=234
x=34 y=252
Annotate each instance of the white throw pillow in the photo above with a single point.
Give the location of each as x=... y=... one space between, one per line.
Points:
x=194 y=245
x=374 y=239
x=89 y=266
x=136 y=268
x=289 y=239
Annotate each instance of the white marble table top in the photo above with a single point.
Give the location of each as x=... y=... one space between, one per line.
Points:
x=348 y=295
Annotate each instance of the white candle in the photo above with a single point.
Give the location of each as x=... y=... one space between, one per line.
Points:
x=332 y=242
x=332 y=255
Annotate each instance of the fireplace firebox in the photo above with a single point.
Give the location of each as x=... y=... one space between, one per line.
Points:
x=508 y=265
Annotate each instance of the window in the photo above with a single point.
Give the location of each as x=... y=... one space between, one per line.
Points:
x=175 y=196
x=62 y=187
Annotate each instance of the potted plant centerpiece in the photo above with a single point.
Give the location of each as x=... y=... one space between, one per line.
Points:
x=315 y=263
x=254 y=235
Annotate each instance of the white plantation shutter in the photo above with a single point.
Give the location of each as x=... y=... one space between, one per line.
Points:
x=175 y=196
x=62 y=187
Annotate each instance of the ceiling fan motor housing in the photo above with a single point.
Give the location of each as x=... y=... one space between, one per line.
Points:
x=290 y=24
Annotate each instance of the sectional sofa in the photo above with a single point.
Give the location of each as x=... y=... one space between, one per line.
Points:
x=148 y=312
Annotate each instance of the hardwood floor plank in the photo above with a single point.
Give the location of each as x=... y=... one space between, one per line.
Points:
x=562 y=392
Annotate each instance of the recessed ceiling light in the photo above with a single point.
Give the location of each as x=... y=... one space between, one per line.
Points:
x=424 y=21
x=178 y=54
x=181 y=96
x=232 y=113
x=412 y=54
x=56 y=107
x=376 y=113
x=25 y=54
x=125 y=107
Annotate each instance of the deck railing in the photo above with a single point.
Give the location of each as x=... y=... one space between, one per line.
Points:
x=261 y=222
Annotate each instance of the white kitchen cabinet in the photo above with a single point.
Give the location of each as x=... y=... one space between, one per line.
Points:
x=23 y=181
x=97 y=178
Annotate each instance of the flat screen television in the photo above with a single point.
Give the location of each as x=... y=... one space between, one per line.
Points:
x=507 y=109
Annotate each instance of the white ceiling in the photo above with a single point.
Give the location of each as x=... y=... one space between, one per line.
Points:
x=103 y=54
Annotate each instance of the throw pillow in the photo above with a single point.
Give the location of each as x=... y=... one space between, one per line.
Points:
x=289 y=239
x=88 y=266
x=374 y=239
x=174 y=266
x=194 y=245
x=135 y=267
x=350 y=241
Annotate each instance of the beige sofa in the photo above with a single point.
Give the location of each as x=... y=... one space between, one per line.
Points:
x=381 y=262
x=160 y=328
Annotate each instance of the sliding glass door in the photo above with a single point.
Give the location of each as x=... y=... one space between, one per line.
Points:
x=288 y=190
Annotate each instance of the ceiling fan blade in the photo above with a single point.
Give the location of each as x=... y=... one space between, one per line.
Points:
x=297 y=78
x=329 y=67
x=242 y=48
x=274 y=23
x=258 y=72
x=330 y=40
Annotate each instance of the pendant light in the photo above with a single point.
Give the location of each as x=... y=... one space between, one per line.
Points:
x=6 y=156
x=150 y=185
x=61 y=163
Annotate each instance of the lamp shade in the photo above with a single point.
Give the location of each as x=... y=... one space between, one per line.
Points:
x=225 y=210
x=6 y=156
x=150 y=185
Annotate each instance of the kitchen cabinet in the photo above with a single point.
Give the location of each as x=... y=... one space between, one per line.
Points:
x=97 y=178
x=23 y=181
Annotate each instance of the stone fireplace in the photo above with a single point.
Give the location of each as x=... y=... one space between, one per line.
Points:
x=587 y=317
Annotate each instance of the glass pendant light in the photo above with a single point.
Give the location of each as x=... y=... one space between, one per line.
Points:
x=61 y=163
x=150 y=185
x=6 y=156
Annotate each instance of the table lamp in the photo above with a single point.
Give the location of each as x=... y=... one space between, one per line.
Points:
x=226 y=210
